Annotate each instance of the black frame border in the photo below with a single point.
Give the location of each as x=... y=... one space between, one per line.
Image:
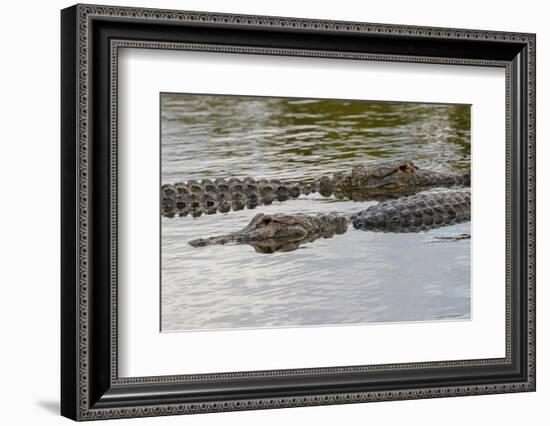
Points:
x=90 y=387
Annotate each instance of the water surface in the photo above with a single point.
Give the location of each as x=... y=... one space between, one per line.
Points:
x=358 y=277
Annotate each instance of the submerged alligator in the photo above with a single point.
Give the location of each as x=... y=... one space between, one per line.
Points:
x=281 y=232
x=286 y=232
x=375 y=182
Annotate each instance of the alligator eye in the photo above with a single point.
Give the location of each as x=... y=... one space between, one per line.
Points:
x=405 y=168
x=266 y=220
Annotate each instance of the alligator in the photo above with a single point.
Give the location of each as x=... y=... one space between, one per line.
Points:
x=370 y=182
x=425 y=210
x=287 y=232
x=281 y=232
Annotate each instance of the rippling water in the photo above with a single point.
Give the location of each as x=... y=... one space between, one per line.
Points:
x=358 y=277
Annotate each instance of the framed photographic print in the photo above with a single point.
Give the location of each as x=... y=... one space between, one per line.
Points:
x=263 y=212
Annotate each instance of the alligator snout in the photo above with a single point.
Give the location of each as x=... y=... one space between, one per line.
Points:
x=199 y=242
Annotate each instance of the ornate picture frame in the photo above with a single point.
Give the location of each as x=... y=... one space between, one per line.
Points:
x=91 y=37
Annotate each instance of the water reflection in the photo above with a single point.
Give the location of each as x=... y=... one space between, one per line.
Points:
x=358 y=277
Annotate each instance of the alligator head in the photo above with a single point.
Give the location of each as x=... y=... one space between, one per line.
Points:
x=280 y=232
x=388 y=180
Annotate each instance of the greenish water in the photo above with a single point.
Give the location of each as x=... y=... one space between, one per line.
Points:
x=358 y=277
